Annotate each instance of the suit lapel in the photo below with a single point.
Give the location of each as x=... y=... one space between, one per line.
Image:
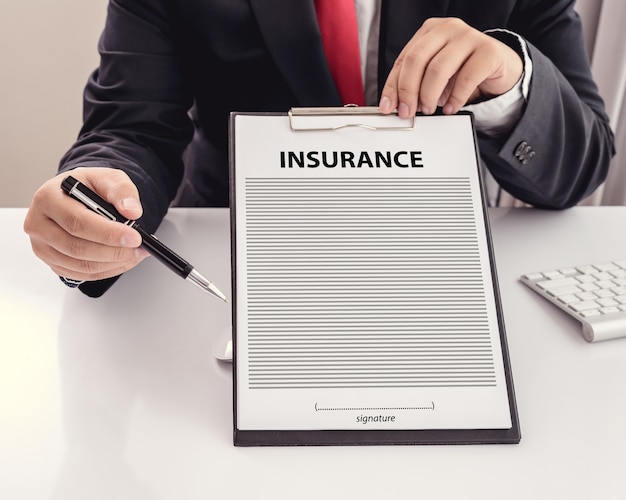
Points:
x=290 y=30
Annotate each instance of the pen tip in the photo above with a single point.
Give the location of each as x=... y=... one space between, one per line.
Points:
x=217 y=293
x=199 y=280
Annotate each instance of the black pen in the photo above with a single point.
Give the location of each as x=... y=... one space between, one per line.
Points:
x=91 y=200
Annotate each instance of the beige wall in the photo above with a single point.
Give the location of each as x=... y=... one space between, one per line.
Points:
x=47 y=50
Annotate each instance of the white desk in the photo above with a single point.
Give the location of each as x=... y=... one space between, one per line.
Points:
x=121 y=398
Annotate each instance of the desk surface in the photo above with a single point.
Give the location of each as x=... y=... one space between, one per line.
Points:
x=121 y=397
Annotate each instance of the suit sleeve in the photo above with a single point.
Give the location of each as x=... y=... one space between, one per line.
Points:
x=559 y=152
x=136 y=105
x=135 y=114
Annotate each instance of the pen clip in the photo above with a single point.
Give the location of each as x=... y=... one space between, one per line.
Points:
x=91 y=200
x=92 y=204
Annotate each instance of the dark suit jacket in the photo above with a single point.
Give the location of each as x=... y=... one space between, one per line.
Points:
x=162 y=58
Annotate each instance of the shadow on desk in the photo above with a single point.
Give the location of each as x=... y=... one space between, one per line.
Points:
x=134 y=366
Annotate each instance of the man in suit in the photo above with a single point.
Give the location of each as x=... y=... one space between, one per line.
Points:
x=156 y=110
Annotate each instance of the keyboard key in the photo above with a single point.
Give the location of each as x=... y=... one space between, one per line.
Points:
x=533 y=276
x=590 y=313
x=568 y=299
x=588 y=287
x=608 y=266
x=587 y=269
x=585 y=305
x=603 y=293
x=607 y=302
x=605 y=284
x=609 y=310
x=602 y=276
x=565 y=290
x=569 y=271
x=549 y=284
x=585 y=278
x=552 y=275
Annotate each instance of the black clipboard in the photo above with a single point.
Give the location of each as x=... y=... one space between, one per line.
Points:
x=324 y=123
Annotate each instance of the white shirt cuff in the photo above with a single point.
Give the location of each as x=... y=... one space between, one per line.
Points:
x=498 y=115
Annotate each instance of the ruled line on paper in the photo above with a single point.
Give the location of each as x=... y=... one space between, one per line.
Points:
x=365 y=283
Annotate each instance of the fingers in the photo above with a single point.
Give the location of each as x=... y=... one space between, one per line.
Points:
x=80 y=258
x=447 y=63
x=403 y=85
x=89 y=270
x=78 y=243
x=452 y=78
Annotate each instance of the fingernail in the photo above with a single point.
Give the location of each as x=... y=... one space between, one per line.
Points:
x=141 y=253
x=403 y=110
x=130 y=241
x=131 y=204
x=385 y=104
x=425 y=110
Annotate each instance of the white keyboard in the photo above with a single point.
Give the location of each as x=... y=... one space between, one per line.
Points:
x=594 y=294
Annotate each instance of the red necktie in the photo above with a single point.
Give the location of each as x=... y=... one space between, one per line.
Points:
x=340 y=37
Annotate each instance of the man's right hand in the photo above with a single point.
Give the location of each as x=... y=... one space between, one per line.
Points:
x=74 y=241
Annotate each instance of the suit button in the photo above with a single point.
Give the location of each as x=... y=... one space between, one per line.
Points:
x=524 y=153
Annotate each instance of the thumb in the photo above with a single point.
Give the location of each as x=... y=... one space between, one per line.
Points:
x=116 y=187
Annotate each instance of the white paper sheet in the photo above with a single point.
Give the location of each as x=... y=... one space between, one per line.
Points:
x=364 y=289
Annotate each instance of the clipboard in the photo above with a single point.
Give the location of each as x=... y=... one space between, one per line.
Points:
x=366 y=308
